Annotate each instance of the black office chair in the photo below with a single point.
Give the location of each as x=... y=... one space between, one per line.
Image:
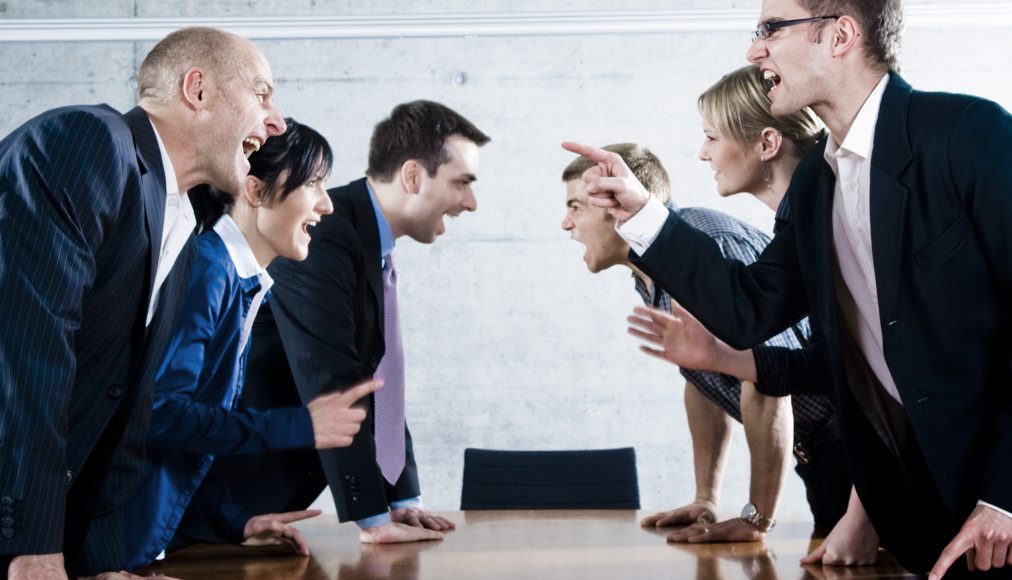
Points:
x=587 y=479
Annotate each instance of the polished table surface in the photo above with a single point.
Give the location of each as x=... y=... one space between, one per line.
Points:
x=584 y=544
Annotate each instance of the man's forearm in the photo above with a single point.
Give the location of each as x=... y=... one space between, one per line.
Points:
x=736 y=363
x=710 y=430
x=769 y=427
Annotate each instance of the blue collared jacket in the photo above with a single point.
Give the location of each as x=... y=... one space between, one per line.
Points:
x=196 y=389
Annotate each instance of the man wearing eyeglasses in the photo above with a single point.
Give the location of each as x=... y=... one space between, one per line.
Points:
x=900 y=249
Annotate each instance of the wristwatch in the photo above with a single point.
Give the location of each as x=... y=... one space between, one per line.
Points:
x=752 y=516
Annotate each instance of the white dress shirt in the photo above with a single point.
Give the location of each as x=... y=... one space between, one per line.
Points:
x=246 y=266
x=855 y=286
x=176 y=229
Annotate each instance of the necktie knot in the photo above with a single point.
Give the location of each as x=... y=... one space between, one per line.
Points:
x=389 y=272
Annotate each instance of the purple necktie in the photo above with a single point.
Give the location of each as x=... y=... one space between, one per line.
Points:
x=390 y=399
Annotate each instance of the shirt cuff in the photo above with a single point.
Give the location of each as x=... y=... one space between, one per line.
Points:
x=373 y=521
x=411 y=502
x=642 y=228
x=380 y=519
x=994 y=507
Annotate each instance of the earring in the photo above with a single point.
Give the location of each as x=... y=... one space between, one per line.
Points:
x=767 y=179
x=260 y=202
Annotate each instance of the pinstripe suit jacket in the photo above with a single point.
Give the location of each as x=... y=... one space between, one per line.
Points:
x=82 y=197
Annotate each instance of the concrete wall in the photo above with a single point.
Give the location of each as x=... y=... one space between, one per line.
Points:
x=510 y=342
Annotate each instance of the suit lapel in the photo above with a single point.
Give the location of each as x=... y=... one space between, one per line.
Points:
x=888 y=197
x=368 y=232
x=152 y=186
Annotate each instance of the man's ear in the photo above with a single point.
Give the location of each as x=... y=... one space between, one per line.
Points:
x=846 y=32
x=411 y=176
x=769 y=143
x=194 y=88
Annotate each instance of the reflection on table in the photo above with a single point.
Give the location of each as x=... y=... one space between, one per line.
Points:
x=521 y=544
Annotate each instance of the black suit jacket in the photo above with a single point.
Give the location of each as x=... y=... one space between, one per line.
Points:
x=941 y=209
x=321 y=330
x=82 y=198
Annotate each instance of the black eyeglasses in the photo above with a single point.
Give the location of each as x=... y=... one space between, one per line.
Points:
x=766 y=29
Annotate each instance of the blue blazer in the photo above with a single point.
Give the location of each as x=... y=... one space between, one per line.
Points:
x=82 y=200
x=196 y=388
x=941 y=207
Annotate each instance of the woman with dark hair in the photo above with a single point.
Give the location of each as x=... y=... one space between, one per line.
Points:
x=202 y=374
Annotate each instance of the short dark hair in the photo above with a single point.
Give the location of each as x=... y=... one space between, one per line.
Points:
x=300 y=150
x=417 y=130
x=882 y=21
x=646 y=167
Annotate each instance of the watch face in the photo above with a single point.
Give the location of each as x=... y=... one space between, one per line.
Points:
x=748 y=511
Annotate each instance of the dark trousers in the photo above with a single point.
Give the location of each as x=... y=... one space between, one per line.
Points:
x=827 y=485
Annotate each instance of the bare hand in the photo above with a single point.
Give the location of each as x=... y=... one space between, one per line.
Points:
x=852 y=542
x=420 y=518
x=697 y=512
x=335 y=421
x=30 y=567
x=394 y=533
x=610 y=183
x=985 y=538
x=273 y=529
x=679 y=338
x=733 y=530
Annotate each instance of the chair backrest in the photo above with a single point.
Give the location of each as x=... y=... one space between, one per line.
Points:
x=586 y=479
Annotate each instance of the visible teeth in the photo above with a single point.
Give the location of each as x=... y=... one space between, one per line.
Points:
x=250 y=146
x=768 y=75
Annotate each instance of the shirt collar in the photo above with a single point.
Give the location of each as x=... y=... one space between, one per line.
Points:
x=245 y=262
x=861 y=135
x=171 y=185
x=387 y=240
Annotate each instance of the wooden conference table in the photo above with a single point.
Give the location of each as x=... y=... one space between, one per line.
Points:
x=520 y=544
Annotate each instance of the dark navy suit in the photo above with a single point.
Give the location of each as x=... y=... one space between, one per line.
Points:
x=82 y=198
x=941 y=209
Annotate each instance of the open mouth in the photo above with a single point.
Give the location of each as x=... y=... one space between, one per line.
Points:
x=250 y=145
x=307 y=225
x=772 y=79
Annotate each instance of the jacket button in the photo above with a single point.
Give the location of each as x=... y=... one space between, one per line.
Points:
x=8 y=522
x=114 y=392
x=7 y=501
x=7 y=533
x=70 y=478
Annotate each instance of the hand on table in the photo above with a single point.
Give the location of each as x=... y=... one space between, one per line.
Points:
x=335 y=419
x=610 y=183
x=273 y=529
x=395 y=532
x=733 y=530
x=696 y=512
x=985 y=539
x=420 y=518
x=852 y=542
x=41 y=566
